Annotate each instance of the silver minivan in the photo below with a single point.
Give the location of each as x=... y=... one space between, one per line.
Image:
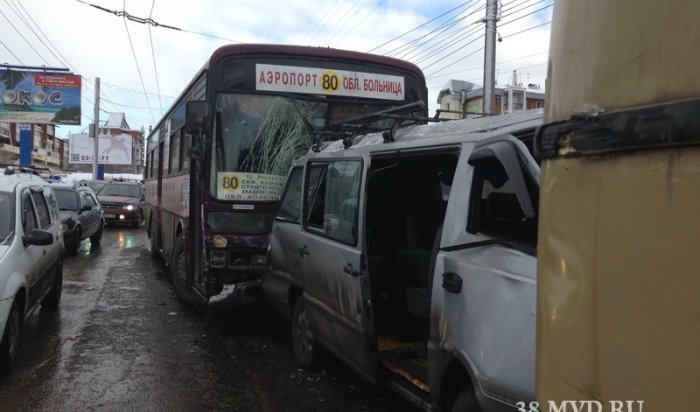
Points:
x=411 y=256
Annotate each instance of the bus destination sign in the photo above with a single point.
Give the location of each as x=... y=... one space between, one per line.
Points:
x=250 y=187
x=311 y=80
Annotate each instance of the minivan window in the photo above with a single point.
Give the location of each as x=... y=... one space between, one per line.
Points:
x=5 y=217
x=42 y=209
x=28 y=218
x=333 y=205
x=495 y=209
x=290 y=205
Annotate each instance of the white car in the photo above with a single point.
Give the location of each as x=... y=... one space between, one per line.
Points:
x=31 y=245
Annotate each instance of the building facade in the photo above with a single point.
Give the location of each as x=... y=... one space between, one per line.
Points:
x=461 y=99
x=52 y=152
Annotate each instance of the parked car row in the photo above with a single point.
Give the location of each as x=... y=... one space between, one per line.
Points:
x=39 y=222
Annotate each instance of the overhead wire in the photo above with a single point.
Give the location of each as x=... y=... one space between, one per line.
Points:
x=149 y=21
x=25 y=39
x=361 y=21
x=138 y=68
x=418 y=27
x=433 y=35
x=323 y=20
x=153 y=54
x=13 y=55
x=354 y=10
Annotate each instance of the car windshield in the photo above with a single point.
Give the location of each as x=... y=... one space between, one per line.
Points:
x=116 y=189
x=5 y=216
x=94 y=185
x=66 y=199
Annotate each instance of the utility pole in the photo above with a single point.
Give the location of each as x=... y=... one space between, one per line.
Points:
x=96 y=127
x=490 y=56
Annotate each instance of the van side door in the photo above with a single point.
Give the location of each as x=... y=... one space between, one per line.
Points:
x=336 y=278
x=484 y=287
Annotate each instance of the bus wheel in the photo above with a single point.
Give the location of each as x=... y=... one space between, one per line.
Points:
x=154 y=248
x=306 y=350
x=179 y=274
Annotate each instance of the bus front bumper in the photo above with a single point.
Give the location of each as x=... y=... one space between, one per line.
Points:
x=237 y=294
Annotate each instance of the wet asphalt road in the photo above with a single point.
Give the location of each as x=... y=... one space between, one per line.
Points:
x=121 y=341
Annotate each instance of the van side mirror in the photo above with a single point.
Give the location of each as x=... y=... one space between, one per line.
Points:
x=195 y=115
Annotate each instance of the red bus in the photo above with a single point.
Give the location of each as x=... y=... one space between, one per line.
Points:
x=217 y=161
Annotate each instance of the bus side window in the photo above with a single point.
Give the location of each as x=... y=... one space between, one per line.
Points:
x=185 y=143
x=174 y=164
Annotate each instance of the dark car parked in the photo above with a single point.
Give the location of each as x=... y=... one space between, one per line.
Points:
x=81 y=215
x=122 y=202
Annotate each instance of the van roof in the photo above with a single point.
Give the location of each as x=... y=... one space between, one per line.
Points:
x=8 y=182
x=444 y=133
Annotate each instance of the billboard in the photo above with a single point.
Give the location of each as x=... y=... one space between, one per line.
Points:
x=111 y=150
x=35 y=97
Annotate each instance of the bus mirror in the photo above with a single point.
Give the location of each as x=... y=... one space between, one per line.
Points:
x=196 y=114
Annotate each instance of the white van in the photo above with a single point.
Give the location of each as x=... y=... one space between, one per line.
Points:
x=31 y=245
x=411 y=256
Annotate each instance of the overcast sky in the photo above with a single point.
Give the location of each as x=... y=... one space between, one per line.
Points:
x=142 y=68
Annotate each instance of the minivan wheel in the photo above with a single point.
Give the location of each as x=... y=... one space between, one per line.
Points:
x=54 y=297
x=465 y=401
x=306 y=351
x=10 y=340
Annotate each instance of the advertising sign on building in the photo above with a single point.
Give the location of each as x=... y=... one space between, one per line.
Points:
x=111 y=150
x=33 y=97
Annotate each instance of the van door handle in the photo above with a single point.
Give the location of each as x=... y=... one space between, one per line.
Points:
x=451 y=282
x=350 y=270
x=303 y=251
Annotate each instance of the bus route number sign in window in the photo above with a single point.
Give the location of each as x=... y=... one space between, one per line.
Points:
x=249 y=186
x=310 y=80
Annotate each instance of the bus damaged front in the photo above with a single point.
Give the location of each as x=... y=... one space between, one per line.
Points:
x=228 y=239
x=618 y=314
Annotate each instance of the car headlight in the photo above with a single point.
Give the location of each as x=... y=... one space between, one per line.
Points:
x=128 y=207
x=64 y=227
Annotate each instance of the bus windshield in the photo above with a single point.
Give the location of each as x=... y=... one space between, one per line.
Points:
x=255 y=140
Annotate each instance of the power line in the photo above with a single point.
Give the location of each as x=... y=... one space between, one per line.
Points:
x=14 y=55
x=149 y=21
x=528 y=29
x=362 y=20
x=138 y=69
x=356 y=9
x=23 y=38
x=153 y=54
x=418 y=27
x=323 y=23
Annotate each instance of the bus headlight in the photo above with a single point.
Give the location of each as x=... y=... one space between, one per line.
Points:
x=219 y=241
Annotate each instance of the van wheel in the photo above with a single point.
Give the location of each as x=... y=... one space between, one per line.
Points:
x=465 y=401
x=97 y=237
x=75 y=243
x=10 y=340
x=179 y=274
x=306 y=350
x=54 y=297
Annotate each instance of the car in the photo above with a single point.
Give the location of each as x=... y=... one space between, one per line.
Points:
x=31 y=246
x=411 y=256
x=81 y=215
x=122 y=202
